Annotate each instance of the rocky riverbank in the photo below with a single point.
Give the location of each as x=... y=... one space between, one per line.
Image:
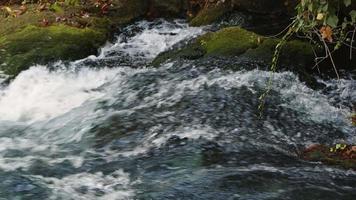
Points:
x=39 y=33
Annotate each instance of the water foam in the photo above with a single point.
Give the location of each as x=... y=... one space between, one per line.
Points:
x=86 y=186
x=38 y=94
x=154 y=38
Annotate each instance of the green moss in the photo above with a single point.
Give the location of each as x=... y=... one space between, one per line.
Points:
x=31 y=17
x=40 y=45
x=209 y=15
x=229 y=41
x=23 y=43
x=236 y=41
x=296 y=55
x=291 y=52
x=190 y=52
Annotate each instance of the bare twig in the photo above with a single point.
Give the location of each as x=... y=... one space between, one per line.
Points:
x=352 y=41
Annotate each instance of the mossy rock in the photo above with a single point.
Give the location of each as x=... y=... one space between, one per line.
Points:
x=190 y=52
x=125 y=11
x=229 y=42
x=340 y=155
x=210 y=15
x=296 y=55
x=24 y=43
x=226 y=42
x=40 y=45
x=236 y=41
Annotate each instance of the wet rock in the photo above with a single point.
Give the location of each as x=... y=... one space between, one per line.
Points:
x=214 y=10
x=167 y=8
x=266 y=6
x=209 y=15
x=353 y=115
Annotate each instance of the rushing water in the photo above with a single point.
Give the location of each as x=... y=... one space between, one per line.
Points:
x=106 y=127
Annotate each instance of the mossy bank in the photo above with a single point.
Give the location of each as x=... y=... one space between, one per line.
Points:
x=45 y=33
x=39 y=45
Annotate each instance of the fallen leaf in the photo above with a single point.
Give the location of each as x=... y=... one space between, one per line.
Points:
x=44 y=22
x=326 y=33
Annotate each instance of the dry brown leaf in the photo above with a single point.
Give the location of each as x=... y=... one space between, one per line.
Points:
x=326 y=33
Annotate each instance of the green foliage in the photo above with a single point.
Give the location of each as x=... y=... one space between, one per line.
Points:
x=338 y=147
x=57 y=8
x=322 y=22
x=315 y=13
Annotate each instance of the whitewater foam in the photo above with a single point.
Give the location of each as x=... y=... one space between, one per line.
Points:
x=85 y=186
x=154 y=38
x=38 y=94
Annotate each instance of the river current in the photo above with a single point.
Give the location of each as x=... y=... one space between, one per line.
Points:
x=112 y=127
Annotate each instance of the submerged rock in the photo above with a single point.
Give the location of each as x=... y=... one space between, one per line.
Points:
x=341 y=155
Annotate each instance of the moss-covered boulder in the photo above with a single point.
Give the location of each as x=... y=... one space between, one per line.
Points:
x=60 y=32
x=296 y=55
x=341 y=155
x=229 y=42
x=40 y=45
x=236 y=41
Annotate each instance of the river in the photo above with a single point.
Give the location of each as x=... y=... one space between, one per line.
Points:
x=112 y=127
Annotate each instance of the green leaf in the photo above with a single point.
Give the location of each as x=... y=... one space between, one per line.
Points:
x=56 y=8
x=325 y=7
x=347 y=2
x=353 y=16
x=332 y=21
